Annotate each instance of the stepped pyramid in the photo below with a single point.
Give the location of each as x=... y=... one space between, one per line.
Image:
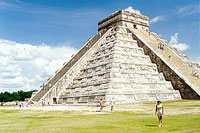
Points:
x=119 y=69
x=121 y=62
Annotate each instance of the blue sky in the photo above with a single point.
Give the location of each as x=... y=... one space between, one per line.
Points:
x=67 y=24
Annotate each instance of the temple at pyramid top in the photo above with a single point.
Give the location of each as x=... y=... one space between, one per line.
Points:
x=124 y=18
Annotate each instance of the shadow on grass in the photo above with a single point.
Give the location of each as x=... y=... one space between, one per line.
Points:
x=151 y=125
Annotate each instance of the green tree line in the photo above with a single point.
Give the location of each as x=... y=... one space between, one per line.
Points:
x=15 y=96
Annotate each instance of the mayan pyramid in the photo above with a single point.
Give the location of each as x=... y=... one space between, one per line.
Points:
x=122 y=62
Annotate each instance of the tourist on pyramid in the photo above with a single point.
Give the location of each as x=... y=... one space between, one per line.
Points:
x=159 y=111
x=161 y=46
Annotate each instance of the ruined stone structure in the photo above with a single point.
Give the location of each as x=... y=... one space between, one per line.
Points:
x=122 y=62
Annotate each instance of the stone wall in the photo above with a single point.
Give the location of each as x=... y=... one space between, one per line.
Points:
x=178 y=83
x=124 y=18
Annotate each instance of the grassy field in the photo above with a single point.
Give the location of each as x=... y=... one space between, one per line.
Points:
x=117 y=122
x=6 y=106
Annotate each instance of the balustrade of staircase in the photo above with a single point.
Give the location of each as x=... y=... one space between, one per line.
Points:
x=170 y=56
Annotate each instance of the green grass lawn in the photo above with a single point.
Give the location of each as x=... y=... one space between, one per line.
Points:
x=57 y=121
x=6 y=106
x=117 y=122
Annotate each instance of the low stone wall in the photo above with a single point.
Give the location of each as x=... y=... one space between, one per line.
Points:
x=178 y=83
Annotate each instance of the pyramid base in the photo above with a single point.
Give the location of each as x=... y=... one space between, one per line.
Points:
x=121 y=98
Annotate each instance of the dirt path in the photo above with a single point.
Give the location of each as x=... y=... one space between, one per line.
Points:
x=171 y=108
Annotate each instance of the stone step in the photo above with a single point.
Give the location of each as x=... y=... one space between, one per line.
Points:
x=132 y=57
x=130 y=46
x=100 y=73
x=124 y=96
x=119 y=39
x=127 y=63
x=107 y=55
x=137 y=60
x=120 y=90
x=116 y=80
x=90 y=66
x=138 y=91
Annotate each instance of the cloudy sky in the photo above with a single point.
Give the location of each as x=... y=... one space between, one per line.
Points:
x=38 y=36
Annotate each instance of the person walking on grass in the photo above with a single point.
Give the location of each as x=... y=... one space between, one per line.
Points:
x=159 y=111
x=101 y=103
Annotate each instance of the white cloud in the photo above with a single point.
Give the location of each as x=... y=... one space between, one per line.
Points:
x=188 y=10
x=174 y=39
x=156 y=19
x=40 y=62
x=174 y=42
x=26 y=67
x=181 y=46
x=130 y=9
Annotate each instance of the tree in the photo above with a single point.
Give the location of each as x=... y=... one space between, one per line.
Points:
x=15 y=96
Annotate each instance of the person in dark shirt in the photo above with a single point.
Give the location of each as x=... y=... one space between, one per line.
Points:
x=101 y=103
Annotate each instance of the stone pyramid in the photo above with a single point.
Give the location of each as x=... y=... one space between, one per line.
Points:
x=122 y=62
x=119 y=69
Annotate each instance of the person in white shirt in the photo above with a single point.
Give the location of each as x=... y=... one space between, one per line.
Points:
x=112 y=103
x=159 y=111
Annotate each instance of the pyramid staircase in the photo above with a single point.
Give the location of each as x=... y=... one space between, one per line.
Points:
x=188 y=85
